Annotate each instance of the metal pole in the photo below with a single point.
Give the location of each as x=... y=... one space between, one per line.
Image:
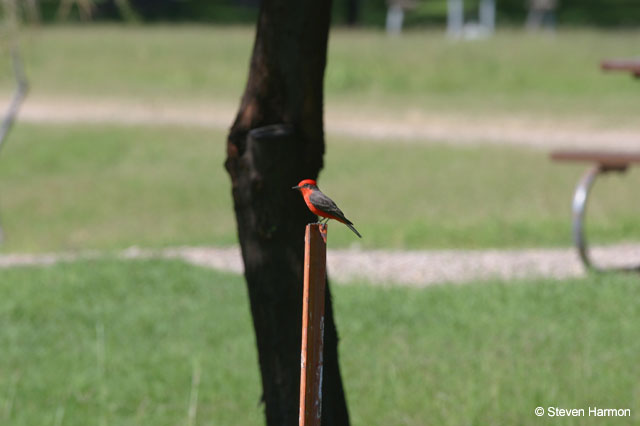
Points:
x=315 y=273
x=455 y=17
x=395 y=17
x=487 y=15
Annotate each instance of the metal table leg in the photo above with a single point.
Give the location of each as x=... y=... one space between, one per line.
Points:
x=578 y=208
x=579 y=205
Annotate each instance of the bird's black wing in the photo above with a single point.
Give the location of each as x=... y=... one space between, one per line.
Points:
x=326 y=204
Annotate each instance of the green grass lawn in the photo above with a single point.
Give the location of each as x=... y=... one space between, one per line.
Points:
x=109 y=187
x=512 y=72
x=102 y=186
x=114 y=342
x=79 y=187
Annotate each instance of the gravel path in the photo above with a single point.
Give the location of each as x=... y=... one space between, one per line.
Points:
x=413 y=126
x=382 y=267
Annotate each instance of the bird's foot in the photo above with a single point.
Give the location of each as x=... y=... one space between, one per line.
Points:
x=323 y=231
x=323 y=226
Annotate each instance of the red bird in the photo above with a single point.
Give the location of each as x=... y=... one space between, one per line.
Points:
x=322 y=205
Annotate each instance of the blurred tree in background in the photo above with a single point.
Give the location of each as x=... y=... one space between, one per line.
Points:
x=606 y=13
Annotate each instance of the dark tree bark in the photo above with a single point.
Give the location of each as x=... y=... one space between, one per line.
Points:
x=277 y=140
x=353 y=12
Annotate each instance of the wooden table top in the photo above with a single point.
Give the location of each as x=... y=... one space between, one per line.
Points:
x=627 y=65
x=604 y=158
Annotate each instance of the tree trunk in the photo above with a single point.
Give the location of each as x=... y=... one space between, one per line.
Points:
x=353 y=12
x=277 y=140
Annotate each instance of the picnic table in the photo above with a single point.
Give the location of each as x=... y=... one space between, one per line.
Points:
x=626 y=65
x=601 y=162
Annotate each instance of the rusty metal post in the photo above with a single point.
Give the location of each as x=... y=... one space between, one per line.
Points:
x=315 y=272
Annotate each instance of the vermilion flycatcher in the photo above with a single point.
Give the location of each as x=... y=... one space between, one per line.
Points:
x=322 y=205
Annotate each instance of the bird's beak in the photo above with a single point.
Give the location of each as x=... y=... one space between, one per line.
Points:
x=295 y=187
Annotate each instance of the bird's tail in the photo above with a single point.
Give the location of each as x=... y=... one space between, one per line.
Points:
x=353 y=229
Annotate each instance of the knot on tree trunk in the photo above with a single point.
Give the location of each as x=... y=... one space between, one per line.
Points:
x=267 y=169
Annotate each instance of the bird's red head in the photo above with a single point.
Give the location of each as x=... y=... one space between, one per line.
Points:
x=305 y=184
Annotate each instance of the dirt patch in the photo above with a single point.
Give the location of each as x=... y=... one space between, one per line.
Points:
x=414 y=126
x=384 y=267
